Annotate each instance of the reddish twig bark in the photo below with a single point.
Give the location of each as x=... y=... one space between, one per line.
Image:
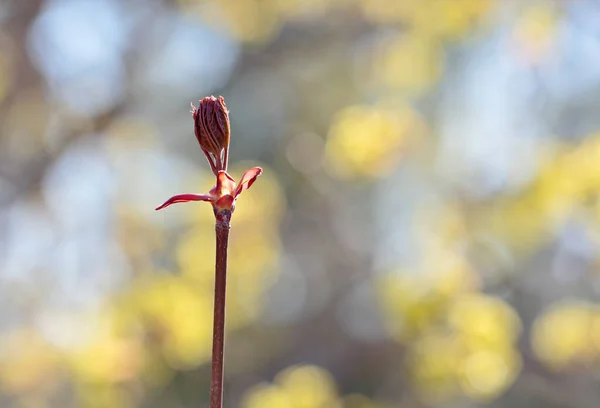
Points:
x=222 y=234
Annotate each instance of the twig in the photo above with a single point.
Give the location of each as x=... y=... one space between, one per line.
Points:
x=222 y=234
x=211 y=126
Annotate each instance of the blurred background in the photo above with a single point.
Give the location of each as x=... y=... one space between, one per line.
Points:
x=426 y=232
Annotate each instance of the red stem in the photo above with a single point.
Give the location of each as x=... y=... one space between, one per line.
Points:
x=222 y=234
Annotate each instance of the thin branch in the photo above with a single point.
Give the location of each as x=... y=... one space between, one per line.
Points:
x=222 y=234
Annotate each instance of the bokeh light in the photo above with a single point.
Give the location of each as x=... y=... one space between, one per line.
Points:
x=426 y=232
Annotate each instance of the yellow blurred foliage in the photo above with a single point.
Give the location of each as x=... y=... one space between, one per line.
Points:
x=409 y=305
x=310 y=386
x=566 y=334
x=267 y=396
x=181 y=314
x=444 y=18
x=100 y=395
x=368 y=142
x=28 y=366
x=258 y=22
x=487 y=373
x=137 y=237
x=195 y=253
x=131 y=134
x=461 y=342
x=470 y=349
x=433 y=362
x=295 y=387
x=484 y=320
x=109 y=360
x=382 y=11
x=408 y=63
x=452 y=20
x=250 y=21
x=253 y=267
x=413 y=302
x=453 y=275
x=568 y=181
